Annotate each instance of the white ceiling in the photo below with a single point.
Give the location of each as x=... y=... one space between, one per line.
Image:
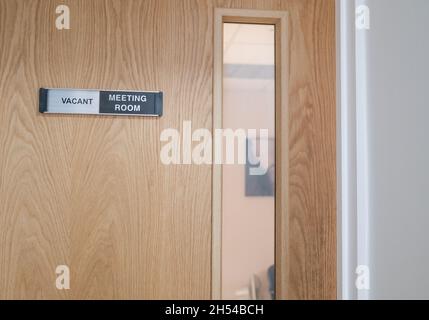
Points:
x=249 y=44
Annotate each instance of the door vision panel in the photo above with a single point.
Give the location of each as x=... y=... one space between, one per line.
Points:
x=90 y=192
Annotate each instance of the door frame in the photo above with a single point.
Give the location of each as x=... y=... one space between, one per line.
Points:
x=280 y=21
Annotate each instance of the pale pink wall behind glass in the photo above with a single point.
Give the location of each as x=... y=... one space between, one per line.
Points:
x=248 y=222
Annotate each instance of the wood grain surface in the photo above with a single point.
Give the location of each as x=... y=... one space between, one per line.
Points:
x=91 y=192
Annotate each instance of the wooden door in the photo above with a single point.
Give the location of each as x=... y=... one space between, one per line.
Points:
x=91 y=193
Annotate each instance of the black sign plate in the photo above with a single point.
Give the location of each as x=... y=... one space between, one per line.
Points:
x=131 y=103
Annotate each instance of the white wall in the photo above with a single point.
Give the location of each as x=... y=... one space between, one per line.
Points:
x=384 y=148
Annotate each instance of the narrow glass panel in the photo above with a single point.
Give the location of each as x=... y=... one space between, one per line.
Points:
x=248 y=188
